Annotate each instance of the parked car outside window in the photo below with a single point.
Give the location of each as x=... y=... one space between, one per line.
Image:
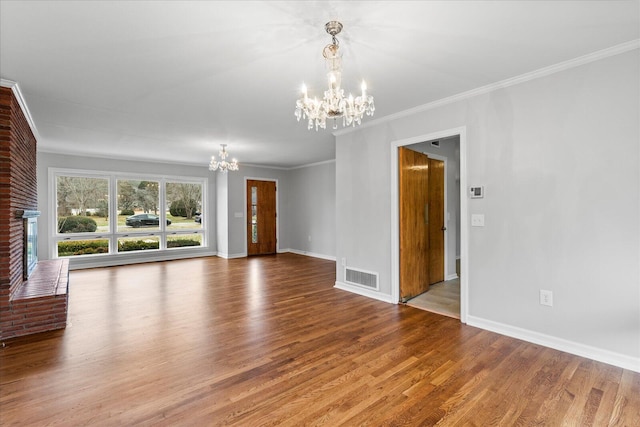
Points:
x=142 y=220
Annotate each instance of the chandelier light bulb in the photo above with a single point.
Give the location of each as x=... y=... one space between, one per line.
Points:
x=333 y=104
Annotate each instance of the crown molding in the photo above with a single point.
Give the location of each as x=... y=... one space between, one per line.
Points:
x=15 y=88
x=123 y=158
x=542 y=72
x=308 y=165
x=161 y=162
x=254 y=165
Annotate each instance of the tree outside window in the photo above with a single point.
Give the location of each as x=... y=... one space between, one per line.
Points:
x=83 y=197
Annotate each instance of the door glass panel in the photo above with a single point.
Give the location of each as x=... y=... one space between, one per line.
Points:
x=254 y=214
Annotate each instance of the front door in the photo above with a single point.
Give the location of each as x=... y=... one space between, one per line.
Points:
x=261 y=217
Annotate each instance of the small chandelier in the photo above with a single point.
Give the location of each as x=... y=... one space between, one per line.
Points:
x=223 y=165
x=334 y=104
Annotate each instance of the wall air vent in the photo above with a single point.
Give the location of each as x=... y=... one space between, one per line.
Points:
x=362 y=278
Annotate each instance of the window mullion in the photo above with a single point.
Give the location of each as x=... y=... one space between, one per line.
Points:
x=163 y=214
x=113 y=215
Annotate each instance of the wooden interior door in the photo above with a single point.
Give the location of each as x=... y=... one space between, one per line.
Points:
x=413 y=180
x=261 y=217
x=436 y=221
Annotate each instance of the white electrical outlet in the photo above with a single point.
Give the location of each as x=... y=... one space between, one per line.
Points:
x=546 y=297
x=344 y=262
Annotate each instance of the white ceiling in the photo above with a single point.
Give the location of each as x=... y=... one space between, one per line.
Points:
x=170 y=81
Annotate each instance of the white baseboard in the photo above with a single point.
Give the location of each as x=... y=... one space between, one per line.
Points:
x=280 y=251
x=231 y=256
x=594 y=353
x=365 y=292
x=311 y=254
x=451 y=277
x=124 y=259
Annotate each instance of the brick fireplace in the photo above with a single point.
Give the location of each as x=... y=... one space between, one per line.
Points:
x=38 y=303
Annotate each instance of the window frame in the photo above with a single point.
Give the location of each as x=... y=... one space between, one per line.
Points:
x=113 y=235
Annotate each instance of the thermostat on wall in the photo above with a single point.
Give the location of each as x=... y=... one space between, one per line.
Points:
x=476 y=192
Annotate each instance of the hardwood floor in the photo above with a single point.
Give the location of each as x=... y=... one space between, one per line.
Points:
x=269 y=341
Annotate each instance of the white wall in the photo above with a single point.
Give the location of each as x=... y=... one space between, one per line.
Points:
x=559 y=158
x=306 y=206
x=50 y=160
x=237 y=205
x=311 y=224
x=222 y=214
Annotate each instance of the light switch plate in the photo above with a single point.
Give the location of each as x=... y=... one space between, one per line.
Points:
x=477 y=220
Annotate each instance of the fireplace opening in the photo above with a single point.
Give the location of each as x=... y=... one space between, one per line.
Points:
x=30 y=254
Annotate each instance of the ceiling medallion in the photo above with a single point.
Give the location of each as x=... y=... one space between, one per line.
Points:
x=334 y=104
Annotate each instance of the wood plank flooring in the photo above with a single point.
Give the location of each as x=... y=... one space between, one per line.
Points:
x=269 y=341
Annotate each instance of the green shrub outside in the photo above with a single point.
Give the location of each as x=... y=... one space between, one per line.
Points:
x=76 y=224
x=127 y=212
x=137 y=245
x=89 y=251
x=87 y=247
x=177 y=209
x=178 y=243
x=83 y=247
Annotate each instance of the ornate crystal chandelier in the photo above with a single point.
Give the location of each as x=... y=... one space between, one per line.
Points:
x=223 y=166
x=334 y=104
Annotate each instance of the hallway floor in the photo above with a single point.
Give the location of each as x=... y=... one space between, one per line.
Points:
x=442 y=298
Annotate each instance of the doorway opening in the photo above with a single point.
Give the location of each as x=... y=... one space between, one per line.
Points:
x=443 y=293
x=439 y=194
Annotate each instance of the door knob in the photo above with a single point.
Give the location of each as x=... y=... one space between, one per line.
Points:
x=444 y=228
